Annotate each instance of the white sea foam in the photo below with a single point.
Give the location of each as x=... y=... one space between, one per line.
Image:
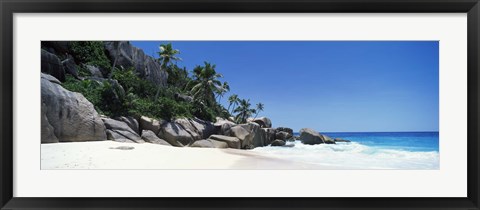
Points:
x=353 y=155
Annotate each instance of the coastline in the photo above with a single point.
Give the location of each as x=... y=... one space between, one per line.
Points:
x=99 y=155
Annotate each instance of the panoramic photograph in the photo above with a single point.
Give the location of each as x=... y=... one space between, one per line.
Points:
x=254 y=105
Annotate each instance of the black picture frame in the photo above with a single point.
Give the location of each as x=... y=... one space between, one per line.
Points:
x=9 y=7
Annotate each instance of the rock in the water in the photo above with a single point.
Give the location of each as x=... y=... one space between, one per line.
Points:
x=232 y=142
x=270 y=135
x=341 y=140
x=48 y=133
x=264 y=122
x=94 y=71
x=131 y=122
x=327 y=139
x=151 y=137
x=285 y=129
x=150 y=124
x=71 y=115
x=120 y=130
x=70 y=67
x=278 y=142
x=129 y=56
x=282 y=135
x=176 y=134
x=209 y=143
x=51 y=65
x=310 y=136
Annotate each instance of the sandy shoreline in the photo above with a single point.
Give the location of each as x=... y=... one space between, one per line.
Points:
x=99 y=155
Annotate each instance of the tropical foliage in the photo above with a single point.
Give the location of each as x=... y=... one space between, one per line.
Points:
x=125 y=93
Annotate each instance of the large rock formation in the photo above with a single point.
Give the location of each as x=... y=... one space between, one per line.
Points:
x=131 y=122
x=127 y=55
x=264 y=122
x=120 y=130
x=278 y=142
x=270 y=135
x=209 y=143
x=199 y=127
x=70 y=67
x=51 y=65
x=176 y=134
x=71 y=115
x=259 y=140
x=310 y=136
x=151 y=137
x=282 y=135
x=150 y=124
x=48 y=132
x=232 y=142
x=285 y=129
x=246 y=134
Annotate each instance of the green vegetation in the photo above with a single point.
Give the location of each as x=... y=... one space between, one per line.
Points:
x=125 y=93
x=93 y=53
x=244 y=111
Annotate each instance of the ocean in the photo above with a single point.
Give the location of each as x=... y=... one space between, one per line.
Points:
x=367 y=150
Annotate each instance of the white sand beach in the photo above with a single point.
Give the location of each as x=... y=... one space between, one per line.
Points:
x=100 y=155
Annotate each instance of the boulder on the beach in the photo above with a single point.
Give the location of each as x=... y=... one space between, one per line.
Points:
x=71 y=115
x=51 y=64
x=232 y=142
x=223 y=126
x=120 y=130
x=282 y=135
x=131 y=122
x=150 y=124
x=264 y=122
x=278 y=142
x=202 y=129
x=285 y=129
x=246 y=134
x=259 y=138
x=310 y=136
x=176 y=134
x=270 y=135
x=209 y=143
x=48 y=132
x=150 y=137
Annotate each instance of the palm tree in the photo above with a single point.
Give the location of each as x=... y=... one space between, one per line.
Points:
x=205 y=83
x=233 y=100
x=260 y=108
x=166 y=55
x=244 y=111
x=222 y=90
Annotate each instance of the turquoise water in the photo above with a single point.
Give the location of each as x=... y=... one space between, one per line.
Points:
x=369 y=150
x=407 y=141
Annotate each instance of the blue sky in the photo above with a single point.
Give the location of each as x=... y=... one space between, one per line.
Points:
x=330 y=86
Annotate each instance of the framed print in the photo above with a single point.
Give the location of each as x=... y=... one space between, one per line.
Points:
x=239 y=105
